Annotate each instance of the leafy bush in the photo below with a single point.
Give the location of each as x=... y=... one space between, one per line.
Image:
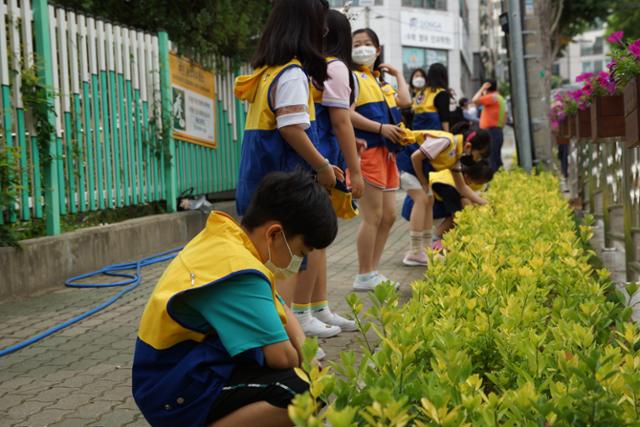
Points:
x=513 y=327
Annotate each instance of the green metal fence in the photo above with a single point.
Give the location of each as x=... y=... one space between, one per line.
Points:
x=110 y=90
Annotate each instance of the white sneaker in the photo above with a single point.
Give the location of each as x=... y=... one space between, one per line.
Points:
x=330 y=318
x=415 y=259
x=384 y=278
x=366 y=282
x=313 y=327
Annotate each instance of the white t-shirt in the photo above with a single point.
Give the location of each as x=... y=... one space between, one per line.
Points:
x=292 y=89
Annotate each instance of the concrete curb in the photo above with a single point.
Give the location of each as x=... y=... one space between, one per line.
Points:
x=45 y=263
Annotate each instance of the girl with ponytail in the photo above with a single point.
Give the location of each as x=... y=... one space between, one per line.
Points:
x=441 y=151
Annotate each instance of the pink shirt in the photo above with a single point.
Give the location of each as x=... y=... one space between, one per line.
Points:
x=337 y=91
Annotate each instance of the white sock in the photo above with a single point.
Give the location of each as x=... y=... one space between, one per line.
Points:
x=303 y=316
x=416 y=242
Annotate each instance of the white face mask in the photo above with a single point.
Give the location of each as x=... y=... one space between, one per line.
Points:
x=289 y=270
x=418 y=82
x=364 y=55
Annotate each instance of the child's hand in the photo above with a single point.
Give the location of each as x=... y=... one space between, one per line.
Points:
x=392 y=133
x=482 y=201
x=389 y=69
x=361 y=145
x=339 y=173
x=327 y=177
x=357 y=185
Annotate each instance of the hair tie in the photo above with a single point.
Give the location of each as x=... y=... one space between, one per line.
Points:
x=471 y=136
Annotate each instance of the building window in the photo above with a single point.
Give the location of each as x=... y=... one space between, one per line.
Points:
x=341 y=3
x=555 y=69
x=464 y=14
x=595 y=48
x=416 y=57
x=426 y=4
x=592 y=66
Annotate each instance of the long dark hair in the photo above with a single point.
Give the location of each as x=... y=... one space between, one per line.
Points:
x=338 y=43
x=437 y=77
x=480 y=139
x=338 y=40
x=294 y=30
x=376 y=42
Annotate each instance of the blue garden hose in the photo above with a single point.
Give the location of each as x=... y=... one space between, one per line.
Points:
x=116 y=270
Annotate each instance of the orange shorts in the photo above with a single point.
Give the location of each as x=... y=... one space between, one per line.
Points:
x=379 y=168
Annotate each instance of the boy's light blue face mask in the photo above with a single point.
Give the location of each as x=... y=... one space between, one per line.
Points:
x=289 y=270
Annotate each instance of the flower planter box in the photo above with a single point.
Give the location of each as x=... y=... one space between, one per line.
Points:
x=583 y=124
x=632 y=112
x=561 y=139
x=563 y=130
x=607 y=117
x=569 y=127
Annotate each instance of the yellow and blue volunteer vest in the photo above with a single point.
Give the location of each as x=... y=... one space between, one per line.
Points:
x=445 y=160
x=326 y=140
x=263 y=148
x=178 y=371
x=376 y=102
x=425 y=117
x=446 y=177
x=425 y=113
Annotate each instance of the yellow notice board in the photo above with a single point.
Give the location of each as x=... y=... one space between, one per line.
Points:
x=192 y=102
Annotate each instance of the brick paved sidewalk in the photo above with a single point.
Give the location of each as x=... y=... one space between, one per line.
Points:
x=82 y=375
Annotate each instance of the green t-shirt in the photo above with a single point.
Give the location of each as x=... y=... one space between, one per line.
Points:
x=239 y=310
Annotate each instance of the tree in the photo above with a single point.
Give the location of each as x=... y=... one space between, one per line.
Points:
x=558 y=22
x=625 y=17
x=200 y=28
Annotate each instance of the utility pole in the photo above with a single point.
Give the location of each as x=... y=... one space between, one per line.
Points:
x=367 y=17
x=533 y=40
x=511 y=22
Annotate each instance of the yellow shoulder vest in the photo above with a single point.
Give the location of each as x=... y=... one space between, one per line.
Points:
x=219 y=251
x=370 y=91
x=424 y=101
x=446 y=177
x=255 y=88
x=450 y=156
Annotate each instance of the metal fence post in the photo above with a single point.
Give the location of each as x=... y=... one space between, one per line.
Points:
x=627 y=188
x=171 y=180
x=45 y=71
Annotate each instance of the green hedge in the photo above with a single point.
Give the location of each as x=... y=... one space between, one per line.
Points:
x=513 y=327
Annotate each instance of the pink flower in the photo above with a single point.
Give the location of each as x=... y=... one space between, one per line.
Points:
x=616 y=38
x=612 y=65
x=634 y=48
x=575 y=94
x=555 y=125
x=606 y=82
x=584 y=77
